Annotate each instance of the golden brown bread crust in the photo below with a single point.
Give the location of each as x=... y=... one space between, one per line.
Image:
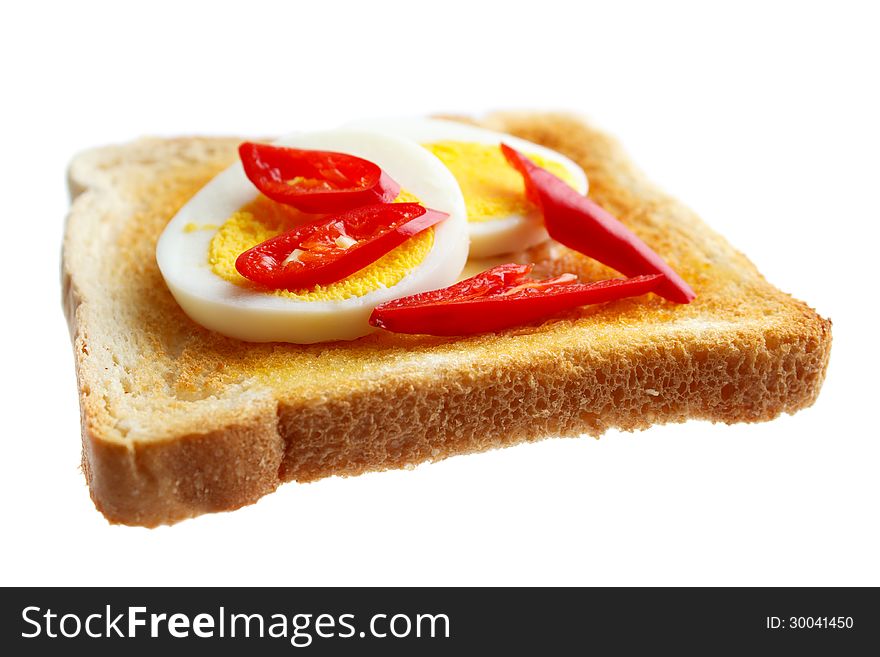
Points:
x=178 y=421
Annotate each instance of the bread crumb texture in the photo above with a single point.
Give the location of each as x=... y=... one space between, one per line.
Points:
x=179 y=421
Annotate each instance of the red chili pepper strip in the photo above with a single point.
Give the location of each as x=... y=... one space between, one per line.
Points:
x=327 y=251
x=316 y=181
x=499 y=298
x=577 y=222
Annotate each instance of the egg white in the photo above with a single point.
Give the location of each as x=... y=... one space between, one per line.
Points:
x=496 y=236
x=248 y=314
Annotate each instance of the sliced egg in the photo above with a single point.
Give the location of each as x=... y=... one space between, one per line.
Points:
x=197 y=249
x=500 y=217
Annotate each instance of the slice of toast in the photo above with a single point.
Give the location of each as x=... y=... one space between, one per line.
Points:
x=179 y=421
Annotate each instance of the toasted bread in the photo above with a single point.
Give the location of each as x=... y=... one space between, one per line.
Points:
x=179 y=421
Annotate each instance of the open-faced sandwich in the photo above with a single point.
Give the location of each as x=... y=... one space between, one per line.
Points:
x=249 y=312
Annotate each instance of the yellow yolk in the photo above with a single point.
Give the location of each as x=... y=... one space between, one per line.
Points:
x=492 y=188
x=263 y=219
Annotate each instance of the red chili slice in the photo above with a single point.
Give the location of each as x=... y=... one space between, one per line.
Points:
x=331 y=249
x=499 y=298
x=316 y=181
x=577 y=222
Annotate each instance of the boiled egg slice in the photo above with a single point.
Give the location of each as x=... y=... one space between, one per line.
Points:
x=196 y=252
x=500 y=217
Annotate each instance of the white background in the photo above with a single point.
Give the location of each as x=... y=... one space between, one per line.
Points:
x=762 y=116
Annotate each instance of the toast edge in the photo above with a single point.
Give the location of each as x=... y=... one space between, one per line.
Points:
x=155 y=483
x=151 y=484
x=756 y=376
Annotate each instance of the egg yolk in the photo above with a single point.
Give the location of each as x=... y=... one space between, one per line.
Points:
x=492 y=189
x=263 y=219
